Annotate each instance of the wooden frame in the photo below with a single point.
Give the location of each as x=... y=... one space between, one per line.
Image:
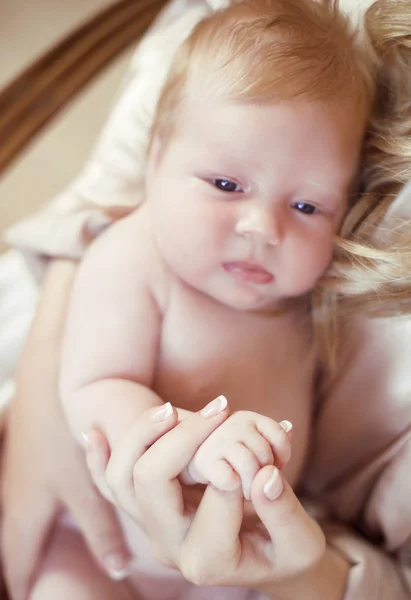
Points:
x=44 y=88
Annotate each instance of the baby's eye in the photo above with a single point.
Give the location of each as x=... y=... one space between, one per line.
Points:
x=225 y=185
x=306 y=209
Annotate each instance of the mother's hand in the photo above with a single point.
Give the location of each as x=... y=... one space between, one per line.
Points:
x=210 y=546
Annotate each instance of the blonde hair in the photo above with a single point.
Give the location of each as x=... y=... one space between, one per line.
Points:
x=264 y=50
x=371 y=270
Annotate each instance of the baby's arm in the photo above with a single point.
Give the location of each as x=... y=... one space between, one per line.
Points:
x=112 y=335
x=234 y=453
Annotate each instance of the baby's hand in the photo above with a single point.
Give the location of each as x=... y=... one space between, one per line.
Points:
x=234 y=453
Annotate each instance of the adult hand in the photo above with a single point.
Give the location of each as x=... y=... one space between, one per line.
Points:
x=44 y=471
x=210 y=545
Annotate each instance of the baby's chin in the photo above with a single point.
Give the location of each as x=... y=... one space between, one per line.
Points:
x=251 y=302
x=241 y=298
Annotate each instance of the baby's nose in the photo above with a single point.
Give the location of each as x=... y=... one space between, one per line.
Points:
x=262 y=225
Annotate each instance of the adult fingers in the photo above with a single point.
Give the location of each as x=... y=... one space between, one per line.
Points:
x=97 y=458
x=212 y=552
x=118 y=475
x=297 y=541
x=158 y=491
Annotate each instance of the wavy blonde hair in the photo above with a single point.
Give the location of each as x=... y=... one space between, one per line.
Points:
x=371 y=270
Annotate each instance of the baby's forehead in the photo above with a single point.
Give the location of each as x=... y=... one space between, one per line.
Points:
x=283 y=133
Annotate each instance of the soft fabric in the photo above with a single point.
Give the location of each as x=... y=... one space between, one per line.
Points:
x=361 y=455
x=18 y=298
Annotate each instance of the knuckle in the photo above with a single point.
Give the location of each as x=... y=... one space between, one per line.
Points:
x=162 y=557
x=242 y=416
x=248 y=472
x=203 y=569
x=250 y=465
x=142 y=474
x=196 y=573
x=225 y=479
x=113 y=480
x=312 y=555
x=318 y=545
x=266 y=457
x=276 y=432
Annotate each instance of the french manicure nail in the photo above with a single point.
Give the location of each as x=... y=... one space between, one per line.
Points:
x=116 y=566
x=162 y=413
x=86 y=441
x=274 y=485
x=286 y=425
x=215 y=407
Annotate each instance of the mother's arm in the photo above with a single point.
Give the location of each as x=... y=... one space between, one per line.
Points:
x=43 y=468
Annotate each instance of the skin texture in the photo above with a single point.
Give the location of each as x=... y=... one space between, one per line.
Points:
x=219 y=543
x=133 y=342
x=284 y=160
x=33 y=498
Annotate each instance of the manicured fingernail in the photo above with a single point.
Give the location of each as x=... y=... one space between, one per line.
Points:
x=286 y=425
x=214 y=407
x=116 y=566
x=274 y=485
x=162 y=413
x=87 y=445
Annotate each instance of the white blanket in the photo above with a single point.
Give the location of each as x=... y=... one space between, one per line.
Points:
x=18 y=299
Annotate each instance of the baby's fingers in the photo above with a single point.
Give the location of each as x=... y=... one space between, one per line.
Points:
x=214 y=471
x=278 y=436
x=245 y=464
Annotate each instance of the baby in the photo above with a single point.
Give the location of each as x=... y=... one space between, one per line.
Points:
x=204 y=292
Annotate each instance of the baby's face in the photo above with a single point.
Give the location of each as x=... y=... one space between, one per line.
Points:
x=246 y=199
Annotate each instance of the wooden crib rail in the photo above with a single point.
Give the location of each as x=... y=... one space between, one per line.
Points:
x=29 y=102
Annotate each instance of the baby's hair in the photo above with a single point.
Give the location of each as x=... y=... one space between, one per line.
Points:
x=268 y=50
x=371 y=270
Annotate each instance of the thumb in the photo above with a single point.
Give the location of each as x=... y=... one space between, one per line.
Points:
x=297 y=541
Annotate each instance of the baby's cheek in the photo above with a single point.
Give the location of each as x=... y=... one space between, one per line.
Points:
x=317 y=256
x=221 y=225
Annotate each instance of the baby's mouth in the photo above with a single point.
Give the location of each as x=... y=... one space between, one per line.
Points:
x=249 y=271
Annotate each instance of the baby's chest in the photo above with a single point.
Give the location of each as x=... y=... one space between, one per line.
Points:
x=259 y=363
